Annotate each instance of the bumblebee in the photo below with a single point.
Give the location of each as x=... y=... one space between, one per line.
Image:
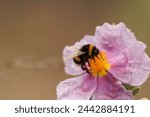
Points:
x=89 y=52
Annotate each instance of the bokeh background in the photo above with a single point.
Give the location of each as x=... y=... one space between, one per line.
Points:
x=33 y=34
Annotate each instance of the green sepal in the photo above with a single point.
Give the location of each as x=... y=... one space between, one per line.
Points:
x=128 y=87
x=135 y=90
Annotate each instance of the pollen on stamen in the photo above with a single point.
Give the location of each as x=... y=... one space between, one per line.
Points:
x=99 y=65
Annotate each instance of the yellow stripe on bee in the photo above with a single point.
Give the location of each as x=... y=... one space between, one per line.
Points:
x=90 y=50
x=77 y=59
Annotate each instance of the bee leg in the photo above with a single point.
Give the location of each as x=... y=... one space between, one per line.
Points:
x=87 y=70
x=84 y=68
x=88 y=63
x=98 y=57
x=93 y=59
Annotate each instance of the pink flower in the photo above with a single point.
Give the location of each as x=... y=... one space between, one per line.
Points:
x=121 y=60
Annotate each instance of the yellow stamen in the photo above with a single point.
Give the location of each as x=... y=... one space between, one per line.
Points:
x=99 y=65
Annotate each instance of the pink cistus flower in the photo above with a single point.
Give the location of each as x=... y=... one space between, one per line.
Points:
x=121 y=59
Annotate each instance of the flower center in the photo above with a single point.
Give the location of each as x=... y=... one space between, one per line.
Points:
x=99 y=65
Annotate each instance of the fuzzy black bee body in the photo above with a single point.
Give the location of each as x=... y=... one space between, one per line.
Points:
x=89 y=52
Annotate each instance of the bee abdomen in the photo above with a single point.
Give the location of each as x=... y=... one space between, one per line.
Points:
x=77 y=60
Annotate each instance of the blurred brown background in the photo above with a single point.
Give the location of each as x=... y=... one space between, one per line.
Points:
x=33 y=34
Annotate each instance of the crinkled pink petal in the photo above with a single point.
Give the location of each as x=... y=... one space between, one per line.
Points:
x=78 y=88
x=109 y=90
x=132 y=66
x=69 y=51
x=113 y=39
x=129 y=64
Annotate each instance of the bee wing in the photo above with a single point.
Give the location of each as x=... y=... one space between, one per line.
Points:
x=77 y=53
